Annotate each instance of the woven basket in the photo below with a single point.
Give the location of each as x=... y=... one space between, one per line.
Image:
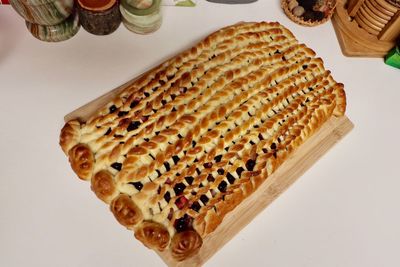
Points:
x=309 y=23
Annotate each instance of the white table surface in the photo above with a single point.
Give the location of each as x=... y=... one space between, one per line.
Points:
x=345 y=211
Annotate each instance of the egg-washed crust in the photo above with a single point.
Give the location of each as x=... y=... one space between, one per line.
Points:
x=187 y=142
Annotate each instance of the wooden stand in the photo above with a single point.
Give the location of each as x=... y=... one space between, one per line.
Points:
x=366 y=28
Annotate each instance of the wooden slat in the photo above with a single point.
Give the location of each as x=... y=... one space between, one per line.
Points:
x=392 y=29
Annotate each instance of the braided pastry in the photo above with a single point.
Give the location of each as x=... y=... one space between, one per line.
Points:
x=183 y=145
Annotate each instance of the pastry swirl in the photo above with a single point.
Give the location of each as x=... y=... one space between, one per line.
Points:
x=153 y=235
x=126 y=211
x=185 y=244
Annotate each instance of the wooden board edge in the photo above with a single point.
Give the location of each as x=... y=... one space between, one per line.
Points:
x=296 y=165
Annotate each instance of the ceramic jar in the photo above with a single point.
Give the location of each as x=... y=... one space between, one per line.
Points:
x=142 y=21
x=99 y=17
x=43 y=12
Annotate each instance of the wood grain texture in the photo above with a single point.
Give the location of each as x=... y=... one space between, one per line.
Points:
x=297 y=164
x=355 y=41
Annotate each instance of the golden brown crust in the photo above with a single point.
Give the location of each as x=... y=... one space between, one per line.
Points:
x=82 y=161
x=102 y=184
x=69 y=135
x=126 y=211
x=190 y=140
x=185 y=244
x=153 y=235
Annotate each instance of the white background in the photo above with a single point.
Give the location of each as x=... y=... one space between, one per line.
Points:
x=345 y=211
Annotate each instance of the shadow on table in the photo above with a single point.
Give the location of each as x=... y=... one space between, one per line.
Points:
x=9 y=33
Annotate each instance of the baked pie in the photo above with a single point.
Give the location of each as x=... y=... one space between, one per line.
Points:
x=184 y=144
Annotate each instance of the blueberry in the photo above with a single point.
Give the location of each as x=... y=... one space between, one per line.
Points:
x=208 y=165
x=196 y=206
x=178 y=188
x=167 y=197
x=222 y=186
x=122 y=113
x=204 y=199
x=184 y=223
x=112 y=109
x=210 y=178
x=133 y=126
x=137 y=185
x=134 y=103
x=239 y=171
x=230 y=177
x=250 y=164
x=117 y=166
x=189 y=179
x=175 y=159
x=167 y=167
x=218 y=158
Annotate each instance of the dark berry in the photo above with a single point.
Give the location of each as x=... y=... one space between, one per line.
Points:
x=133 y=126
x=218 y=158
x=137 y=185
x=134 y=103
x=178 y=188
x=231 y=178
x=167 y=197
x=210 y=178
x=167 y=167
x=175 y=159
x=250 y=164
x=273 y=146
x=189 y=179
x=221 y=171
x=204 y=199
x=208 y=165
x=122 y=113
x=112 y=109
x=222 y=186
x=239 y=171
x=117 y=166
x=196 y=206
x=184 y=223
x=108 y=131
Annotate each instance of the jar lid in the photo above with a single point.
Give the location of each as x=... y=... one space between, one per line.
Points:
x=97 y=5
x=141 y=12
